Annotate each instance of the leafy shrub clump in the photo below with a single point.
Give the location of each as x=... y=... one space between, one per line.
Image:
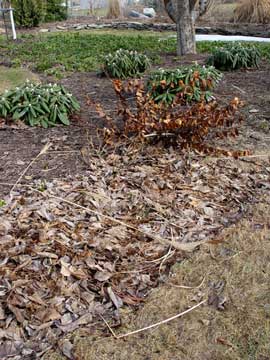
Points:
x=28 y=13
x=179 y=124
x=191 y=83
x=55 y=10
x=234 y=56
x=125 y=64
x=38 y=104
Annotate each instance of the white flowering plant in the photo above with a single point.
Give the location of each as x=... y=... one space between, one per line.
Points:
x=125 y=64
x=190 y=83
x=235 y=55
x=38 y=104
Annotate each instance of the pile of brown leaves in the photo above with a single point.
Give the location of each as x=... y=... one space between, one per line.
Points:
x=62 y=266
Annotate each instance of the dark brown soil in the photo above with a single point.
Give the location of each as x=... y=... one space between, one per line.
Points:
x=20 y=146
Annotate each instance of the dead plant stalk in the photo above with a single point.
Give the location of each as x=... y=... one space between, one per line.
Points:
x=43 y=151
x=153 y=325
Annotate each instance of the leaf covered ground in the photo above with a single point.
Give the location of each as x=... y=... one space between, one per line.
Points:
x=76 y=249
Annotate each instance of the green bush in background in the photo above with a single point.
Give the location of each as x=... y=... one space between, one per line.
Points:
x=124 y=64
x=235 y=55
x=55 y=11
x=30 y=13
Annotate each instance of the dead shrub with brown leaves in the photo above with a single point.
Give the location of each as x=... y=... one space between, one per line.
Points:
x=180 y=124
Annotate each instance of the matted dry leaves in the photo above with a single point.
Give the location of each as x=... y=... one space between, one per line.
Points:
x=62 y=266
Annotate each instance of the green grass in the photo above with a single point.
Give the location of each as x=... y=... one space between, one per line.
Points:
x=11 y=77
x=79 y=51
x=83 y=51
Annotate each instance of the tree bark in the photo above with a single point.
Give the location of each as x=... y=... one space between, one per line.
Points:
x=181 y=12
x=185 y=28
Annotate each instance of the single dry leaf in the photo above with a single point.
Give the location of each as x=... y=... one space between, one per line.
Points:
x=102 y=275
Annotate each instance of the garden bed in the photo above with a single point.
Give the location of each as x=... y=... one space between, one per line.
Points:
x=89 y=232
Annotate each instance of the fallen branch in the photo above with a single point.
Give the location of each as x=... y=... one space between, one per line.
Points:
x=153 y=325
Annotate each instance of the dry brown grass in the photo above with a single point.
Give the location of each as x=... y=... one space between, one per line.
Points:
x=252 y=11
x=220 y=13
x=239 y=332
x=114 y=10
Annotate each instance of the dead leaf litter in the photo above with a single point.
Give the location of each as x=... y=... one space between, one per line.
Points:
x=63 y=267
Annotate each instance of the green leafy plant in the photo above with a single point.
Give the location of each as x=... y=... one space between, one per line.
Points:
x=38 y=104
x=28 y=13
x=84 y=51
x=55 y=10
x=191 y=83
x=2 y=203
x=125 y=64
x=235 y=55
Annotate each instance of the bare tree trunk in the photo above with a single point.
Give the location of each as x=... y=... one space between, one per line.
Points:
x=185 y=29
x=181 y=11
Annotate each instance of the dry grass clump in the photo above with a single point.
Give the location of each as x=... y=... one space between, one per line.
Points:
x=253 y=11
x=114 y=10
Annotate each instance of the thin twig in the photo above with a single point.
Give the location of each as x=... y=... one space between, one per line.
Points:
x=241 y=157
x=43 y=151
x=238 y=88
x=165 y=258
x=170 y=252
x=187 y=287
x=153 y=325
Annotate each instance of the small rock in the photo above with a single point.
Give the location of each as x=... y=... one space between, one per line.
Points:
x=43 y=30
x=149 y=12
x=80 y=27
x=59 y=27
x=253 y=111
x=136 y=14
x=267 y=310
x=20 y=162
